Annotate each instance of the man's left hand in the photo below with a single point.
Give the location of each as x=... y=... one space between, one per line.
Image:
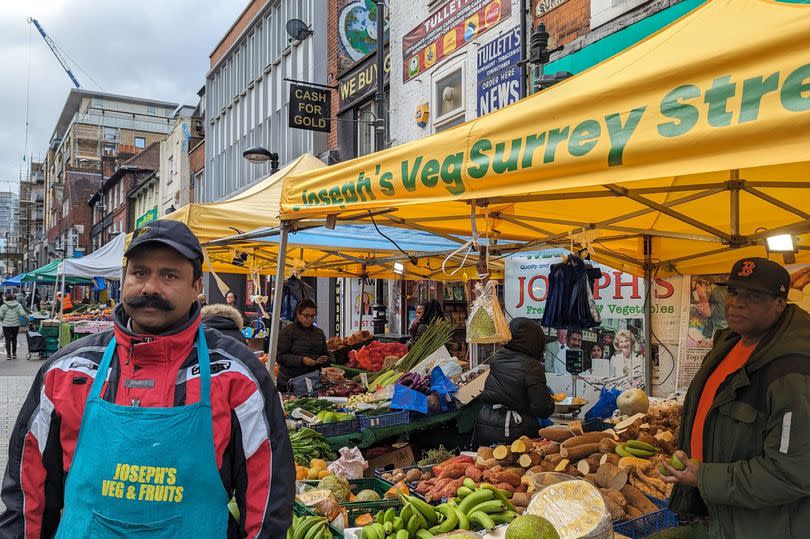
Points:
x=323 y=359
x=687 y=476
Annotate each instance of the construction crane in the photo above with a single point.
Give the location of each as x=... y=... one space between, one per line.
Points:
x=55 y=50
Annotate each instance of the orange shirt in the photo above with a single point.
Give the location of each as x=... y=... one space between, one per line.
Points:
x=67 y=302
x=735 y=359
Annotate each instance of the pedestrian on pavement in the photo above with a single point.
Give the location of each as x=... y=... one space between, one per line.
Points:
x=12 y=315
x=149 y=429
x=302 y=345
x=746 y=413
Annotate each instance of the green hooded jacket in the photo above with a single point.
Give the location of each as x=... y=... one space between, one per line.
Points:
x=755 y=478
x=10 y=313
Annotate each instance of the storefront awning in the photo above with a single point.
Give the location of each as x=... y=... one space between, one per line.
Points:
x=696 y=137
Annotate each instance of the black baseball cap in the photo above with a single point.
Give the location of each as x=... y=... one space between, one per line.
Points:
x=173 y=234
x=761 y=275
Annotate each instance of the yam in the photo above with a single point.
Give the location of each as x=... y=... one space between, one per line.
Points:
x=506 y=487
x=576 y=428
x=523 y=444
x=645 y=488
x=587 y=438
x=648 y=438
x=528 y=460
x=501 y=452
x=617 y=497
x=550 y=448
x=490 y=463
x=616 y=512
x=413 y=475
x=535 y=469
x=591 y=478
x=521 y=499
x=612 y=458
x=607 y=445
x=583 y=467
x=562 y=465
x=637 y=499
x=484 y=453
x=520 y=510
x=474 y=473
x=523 y=487
x=611 y=476
x=664 y=436
x=593 y=461
x=654 y=482
x=579 y=451
x=631 y=513
x=555 y=434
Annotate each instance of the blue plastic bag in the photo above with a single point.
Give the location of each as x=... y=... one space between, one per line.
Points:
x=406 y=398
x=442 y=386
x=606 y=404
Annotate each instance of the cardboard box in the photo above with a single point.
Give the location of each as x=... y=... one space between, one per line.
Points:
x=470 y=391
x=401 y=456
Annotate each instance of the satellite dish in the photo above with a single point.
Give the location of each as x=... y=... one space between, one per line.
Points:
x=298 y=30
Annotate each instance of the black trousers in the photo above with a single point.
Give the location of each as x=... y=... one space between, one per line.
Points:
x=10 y=335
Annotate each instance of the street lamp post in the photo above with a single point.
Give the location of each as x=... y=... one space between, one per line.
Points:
x=259 y=155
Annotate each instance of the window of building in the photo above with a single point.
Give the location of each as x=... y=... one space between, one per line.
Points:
x=448 y=103
x=171 y=170
x=140 y=143
x=65 y=207
x=110 y=133
x=110 y=149
x=366 y=113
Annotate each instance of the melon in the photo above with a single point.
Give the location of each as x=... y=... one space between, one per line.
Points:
x=531 y=527
x=367 y=495
x=338 y=485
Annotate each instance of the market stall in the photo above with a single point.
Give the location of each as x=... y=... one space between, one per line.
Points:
x=106 y=262
x=693 y=155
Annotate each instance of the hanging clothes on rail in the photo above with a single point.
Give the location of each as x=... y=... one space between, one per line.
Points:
x=295 y=291
x=569 y=302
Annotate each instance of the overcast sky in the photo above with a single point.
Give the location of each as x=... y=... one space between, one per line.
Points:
x=147 y=48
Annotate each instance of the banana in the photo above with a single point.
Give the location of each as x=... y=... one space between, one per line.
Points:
x=305 y=525
x=398 y=524
x=500 y=495
x=463 y=521
x=464 y=491
x=402 y=534
x=479 y=496
x=422 y=522
x=639 y=452
x=450 y=519
x=482 y=519
x=406 y=514
x=424 y=534
x=389 y=528
x=426 y=509
x=469 y=483
x=390 y=513
x=378 y=518
x=503 y=518
x=492 y=506
x=315 y=531
x=642 y=445
x=622 y=452
x=413 y=524
x=369 y=532
x=327 y=533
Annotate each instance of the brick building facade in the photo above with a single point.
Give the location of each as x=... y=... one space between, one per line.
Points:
x=72 y=217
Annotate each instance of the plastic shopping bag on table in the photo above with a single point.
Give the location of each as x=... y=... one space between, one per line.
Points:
x=606 y=404
x=350 y=464
x=406 y=398
x=442 y=386
x=486 y=323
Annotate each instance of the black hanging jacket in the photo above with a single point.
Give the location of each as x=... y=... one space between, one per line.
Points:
x=516 y=385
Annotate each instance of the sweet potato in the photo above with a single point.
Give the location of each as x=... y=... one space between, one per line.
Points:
x=454 y=471
x=579 y=451
x=523 y=487
x=502 y=477
x=506 y=487
x=474 y=473
x=521 y=499
x=450 y=489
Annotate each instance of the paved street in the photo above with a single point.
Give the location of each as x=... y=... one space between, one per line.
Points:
x=15 y=381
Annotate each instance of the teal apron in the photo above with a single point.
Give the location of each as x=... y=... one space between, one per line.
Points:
x=145 y=472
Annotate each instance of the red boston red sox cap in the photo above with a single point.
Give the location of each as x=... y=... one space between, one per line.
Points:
x=761 y=275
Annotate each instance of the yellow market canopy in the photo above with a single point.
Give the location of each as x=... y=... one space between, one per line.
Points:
x=697 y=137
x=253 y=208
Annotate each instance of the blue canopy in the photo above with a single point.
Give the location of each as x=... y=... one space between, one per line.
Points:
x=14 y=281
x=366 y=238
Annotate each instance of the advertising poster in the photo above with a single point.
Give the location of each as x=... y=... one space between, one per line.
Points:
x=499 y=76
x=361 y=315
x=613 y=352
x=703 y=313
x=357 y=31
x=447 y=30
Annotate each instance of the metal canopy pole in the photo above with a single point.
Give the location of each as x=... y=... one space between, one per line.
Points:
x=275 y=320
x=648 y=295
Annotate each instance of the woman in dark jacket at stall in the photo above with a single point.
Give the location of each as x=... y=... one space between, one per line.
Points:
x=515 y=393
x=301 y=345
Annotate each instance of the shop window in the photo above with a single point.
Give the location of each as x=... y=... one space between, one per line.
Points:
x=366 y=113
x=448 y=101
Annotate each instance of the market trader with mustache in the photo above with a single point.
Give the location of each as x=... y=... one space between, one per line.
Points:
x=149 y=429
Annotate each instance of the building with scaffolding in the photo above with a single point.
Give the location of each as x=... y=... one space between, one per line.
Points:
x=93 y=127
x=32 y=215
x=9 y=232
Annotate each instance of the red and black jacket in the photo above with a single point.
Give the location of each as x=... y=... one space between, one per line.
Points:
x=251 y=442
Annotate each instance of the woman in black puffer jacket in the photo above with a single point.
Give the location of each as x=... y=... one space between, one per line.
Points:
x=515 y=393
